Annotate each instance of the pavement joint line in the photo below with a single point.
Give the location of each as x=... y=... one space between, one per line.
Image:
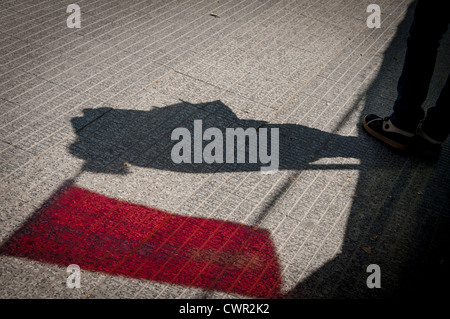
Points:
x=60 y=142
x=107 y=275
x=105 y=18
x=202 y=184
x=51 y=80
x=336 y=251
x=415 y=175
x=51 y=283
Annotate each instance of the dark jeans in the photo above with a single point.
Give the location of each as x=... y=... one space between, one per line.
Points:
x=430 y=22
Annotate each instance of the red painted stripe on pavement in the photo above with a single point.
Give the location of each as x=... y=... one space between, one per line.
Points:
x=98 y=233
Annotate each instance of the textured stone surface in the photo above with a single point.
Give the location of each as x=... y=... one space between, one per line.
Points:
x=95 y=107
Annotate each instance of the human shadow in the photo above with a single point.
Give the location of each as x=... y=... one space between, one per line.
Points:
x=144 y=139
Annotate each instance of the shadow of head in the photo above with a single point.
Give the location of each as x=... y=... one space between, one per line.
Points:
x=195 y=138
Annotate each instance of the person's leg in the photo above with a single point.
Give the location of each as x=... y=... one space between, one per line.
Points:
x=436 y=125
x=399 y=130
x=429 y=24
x=434 y=130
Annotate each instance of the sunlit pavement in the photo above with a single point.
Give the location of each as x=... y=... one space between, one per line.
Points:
x=88 y=175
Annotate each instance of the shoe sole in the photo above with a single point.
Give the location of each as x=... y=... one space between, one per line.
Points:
x=394 y=144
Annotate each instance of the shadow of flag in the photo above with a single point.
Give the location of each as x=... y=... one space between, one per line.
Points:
x=98 y=233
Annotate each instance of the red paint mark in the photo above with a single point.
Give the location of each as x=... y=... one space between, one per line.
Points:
x=77 y=226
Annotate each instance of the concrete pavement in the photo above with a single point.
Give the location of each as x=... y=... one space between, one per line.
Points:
x=94 y=107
